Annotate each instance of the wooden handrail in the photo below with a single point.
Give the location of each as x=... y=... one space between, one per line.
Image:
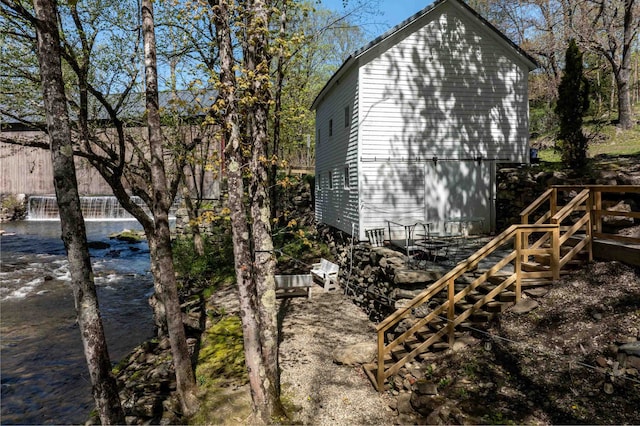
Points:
x=454 y=273
x=587 y=202
x=570 y=207
x=547 y=195
x=447 y=281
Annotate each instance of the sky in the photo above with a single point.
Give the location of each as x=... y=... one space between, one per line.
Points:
x=393 y=12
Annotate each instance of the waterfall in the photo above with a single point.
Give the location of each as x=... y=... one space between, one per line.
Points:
x=45 y=207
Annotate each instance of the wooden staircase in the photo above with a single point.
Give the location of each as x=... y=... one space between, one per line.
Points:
x=535 y=254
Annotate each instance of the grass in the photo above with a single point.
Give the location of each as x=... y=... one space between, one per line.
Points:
x=606 y=139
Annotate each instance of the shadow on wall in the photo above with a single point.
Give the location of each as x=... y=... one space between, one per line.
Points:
x=449 y=110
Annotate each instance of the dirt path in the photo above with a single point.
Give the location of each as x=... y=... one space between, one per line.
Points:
x=326 y=393
x=319 y=391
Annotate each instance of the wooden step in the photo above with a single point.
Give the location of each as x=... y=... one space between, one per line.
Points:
x=461 y=307
x=424 y=334
x=399 y=352
x=498 y=278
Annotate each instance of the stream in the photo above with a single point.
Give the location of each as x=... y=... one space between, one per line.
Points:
x=44 y=377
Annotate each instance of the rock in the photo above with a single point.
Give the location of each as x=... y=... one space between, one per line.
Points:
x=360 y=353
x=412 y=277
x=524 y=306
x=128 y=236
x=632 y=348
x=619 y=221
x=463 y=342
x=602 y=362
x=404 y=403
x=536 y=292
x=98 y=245
x=633 y=362
x=447 y=414
x=608 y=388
x=426 y=404
x=425 y=387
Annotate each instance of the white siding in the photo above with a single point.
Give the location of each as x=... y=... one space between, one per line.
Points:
x=445 y=86
x=449 y=89
x=425 y=191
x=338 y=206
x=391 y=191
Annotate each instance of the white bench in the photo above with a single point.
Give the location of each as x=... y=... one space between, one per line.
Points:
x=293 y=285
x=327 y=273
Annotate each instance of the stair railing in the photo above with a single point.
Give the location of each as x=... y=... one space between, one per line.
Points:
x=580 y=203
x=550 y=196
x=516 y=233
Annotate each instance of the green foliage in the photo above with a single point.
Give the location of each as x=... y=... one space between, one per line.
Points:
x=497 y=418
x=542 y=120
x=215 y=266
x=573 y=103
x=298 y=245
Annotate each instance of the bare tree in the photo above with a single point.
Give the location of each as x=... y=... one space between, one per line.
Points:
x=609 y=28
x=105 y=390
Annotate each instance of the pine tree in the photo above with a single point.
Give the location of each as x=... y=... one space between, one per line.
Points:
x=573 y=103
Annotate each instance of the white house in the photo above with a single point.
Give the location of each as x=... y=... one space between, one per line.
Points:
x=412 y=125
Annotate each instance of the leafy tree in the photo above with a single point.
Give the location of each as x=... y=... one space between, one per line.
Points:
x=573 y=102
x=105 y=135
x=105 y=390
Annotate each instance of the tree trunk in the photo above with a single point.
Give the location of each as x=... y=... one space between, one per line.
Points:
x=625 y=112
x=192 y=212
x=239 y=224
x=161 y=252
x=264 y=258
x=105 y=390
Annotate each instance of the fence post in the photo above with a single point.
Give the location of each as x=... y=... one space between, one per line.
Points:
x=555 y=252
x=589 y=225
x=380 y=373
x=451 y=310
x=518 y=266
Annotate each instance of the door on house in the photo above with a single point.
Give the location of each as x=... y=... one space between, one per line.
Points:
x=459 y=189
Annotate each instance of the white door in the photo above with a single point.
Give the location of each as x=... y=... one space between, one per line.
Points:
x=458 y=189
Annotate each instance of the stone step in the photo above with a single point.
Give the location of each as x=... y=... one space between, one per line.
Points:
x=497 y=307
x=481 y=316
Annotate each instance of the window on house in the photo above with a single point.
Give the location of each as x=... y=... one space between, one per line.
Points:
x=346 y=177
x=331 y=127
x=346 y=117
x=330 y=180
x=318 y=137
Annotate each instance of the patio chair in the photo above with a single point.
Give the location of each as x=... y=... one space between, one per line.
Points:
x=375 y=236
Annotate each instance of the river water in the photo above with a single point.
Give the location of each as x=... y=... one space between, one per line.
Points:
x=44 y=376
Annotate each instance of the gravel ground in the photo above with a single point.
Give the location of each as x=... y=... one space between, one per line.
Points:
x=315 y=389
x=326 y=393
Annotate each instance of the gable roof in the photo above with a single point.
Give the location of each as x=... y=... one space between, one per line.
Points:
x=531 y=62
